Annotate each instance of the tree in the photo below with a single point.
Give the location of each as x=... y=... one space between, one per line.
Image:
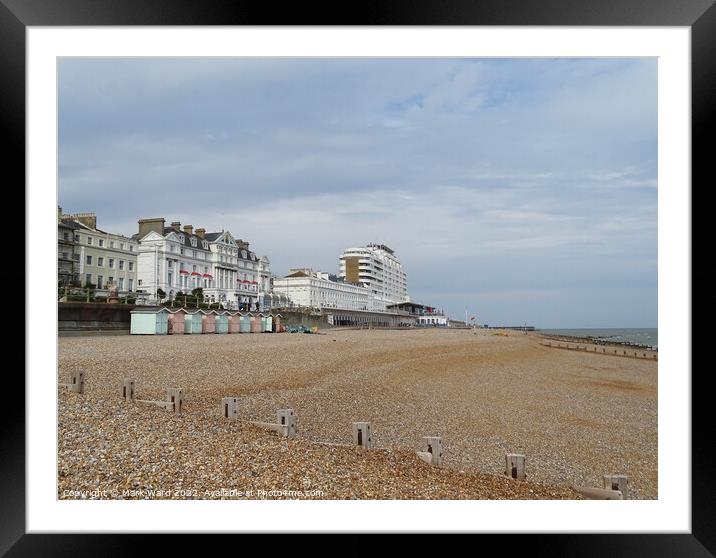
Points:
x=161 y=295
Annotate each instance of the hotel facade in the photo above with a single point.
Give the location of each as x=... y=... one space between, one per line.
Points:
x=179 y=259
x=318 y=289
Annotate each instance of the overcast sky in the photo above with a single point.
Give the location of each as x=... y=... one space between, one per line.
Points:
x=524 y=190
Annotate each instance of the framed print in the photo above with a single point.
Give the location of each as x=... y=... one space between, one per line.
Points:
x=398 y=273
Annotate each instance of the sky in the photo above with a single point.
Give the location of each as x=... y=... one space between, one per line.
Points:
x=518 y=190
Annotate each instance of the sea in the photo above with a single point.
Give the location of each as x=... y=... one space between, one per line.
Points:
x=640 y=336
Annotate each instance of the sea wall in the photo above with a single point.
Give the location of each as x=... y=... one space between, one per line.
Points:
x=93 y=316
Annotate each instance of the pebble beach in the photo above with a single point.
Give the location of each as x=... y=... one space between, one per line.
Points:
x=575 y=415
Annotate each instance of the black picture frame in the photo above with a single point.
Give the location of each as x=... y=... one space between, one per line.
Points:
x=699 y=15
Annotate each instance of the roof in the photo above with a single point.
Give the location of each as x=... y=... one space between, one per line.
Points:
x=399 y=304
x=69 y=224
x=187 y=238
x=150 y=310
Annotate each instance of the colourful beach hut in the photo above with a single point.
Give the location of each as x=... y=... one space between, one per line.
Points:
x=222 y=321
x=267 y=322
x=257 y=323
x=149 y=321
x=208 y=321
x=234 y=319
x=246 y=323
x=192 y=321
x=175 y=322
x=277 y=323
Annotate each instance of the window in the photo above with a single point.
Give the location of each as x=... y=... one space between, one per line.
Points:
x=170 y=264
x=111 y=243
x=110 y=280
x=66 y=236
x=88 y=279
x=99 y=281
x=65 y=255
x=121 y=265
x=193 y=241
x=169 y=276
x=111 y=263
x=193 y=253
x=77 y=238
x=205 y=244
x=89 y=240
x=131 y=248
x=120 y=284
x=139 y=283
x=101 y=243
x=181 y=238
x=88 y=261
x=131 y=266
x=121 y=246
x=76 y=257
x=131 y=284
x=100 y=262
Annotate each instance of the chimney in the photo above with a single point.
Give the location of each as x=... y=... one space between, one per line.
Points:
x=176 y=225
x=88 y=219
x=148 y=225
x=188 y=229
x=200 y=233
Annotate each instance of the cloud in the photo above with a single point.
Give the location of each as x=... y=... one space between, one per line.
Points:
x=486 y=176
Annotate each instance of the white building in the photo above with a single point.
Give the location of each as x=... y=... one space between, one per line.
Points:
x=375 y=267
x=235 y=271
x=176 y=259
x=435 y=320
x=317 y=289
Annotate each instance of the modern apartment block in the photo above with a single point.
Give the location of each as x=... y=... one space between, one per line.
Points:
x=375 y=267
x=99 y=258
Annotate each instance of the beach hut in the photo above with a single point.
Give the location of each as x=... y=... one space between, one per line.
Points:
x=175 y=322
x=192 y=321
x=277 y=323
x=149 y=321
x=257 y=323
x=246 y=323
x=267 y=322
x=234 y=319
x=222 y=321
x=208 y=321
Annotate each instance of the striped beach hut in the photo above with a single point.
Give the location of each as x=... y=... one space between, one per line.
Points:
x=222 y=321
x=192 y=321
x=234 y=319
x=149 y=321
x=246 y=322
x=175 y=321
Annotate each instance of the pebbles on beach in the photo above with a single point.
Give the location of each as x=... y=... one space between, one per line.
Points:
x=575 y=416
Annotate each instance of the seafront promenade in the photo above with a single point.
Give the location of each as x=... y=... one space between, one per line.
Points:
x=575 y=415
